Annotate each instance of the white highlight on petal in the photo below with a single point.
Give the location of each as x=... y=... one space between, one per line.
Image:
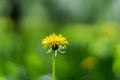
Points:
x=49 y=50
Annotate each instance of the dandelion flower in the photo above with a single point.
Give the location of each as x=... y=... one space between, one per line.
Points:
x=55 y=43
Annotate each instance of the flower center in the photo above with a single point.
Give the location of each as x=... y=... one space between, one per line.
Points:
x=54 y=47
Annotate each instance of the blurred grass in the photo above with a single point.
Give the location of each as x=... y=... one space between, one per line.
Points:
x=92 y=53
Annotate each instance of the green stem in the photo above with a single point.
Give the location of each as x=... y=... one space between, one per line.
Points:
x=53 y=65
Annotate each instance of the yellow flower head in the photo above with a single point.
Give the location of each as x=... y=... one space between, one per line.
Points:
x=55 y=42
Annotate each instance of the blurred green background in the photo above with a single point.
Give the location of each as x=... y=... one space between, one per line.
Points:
x=91 y=27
